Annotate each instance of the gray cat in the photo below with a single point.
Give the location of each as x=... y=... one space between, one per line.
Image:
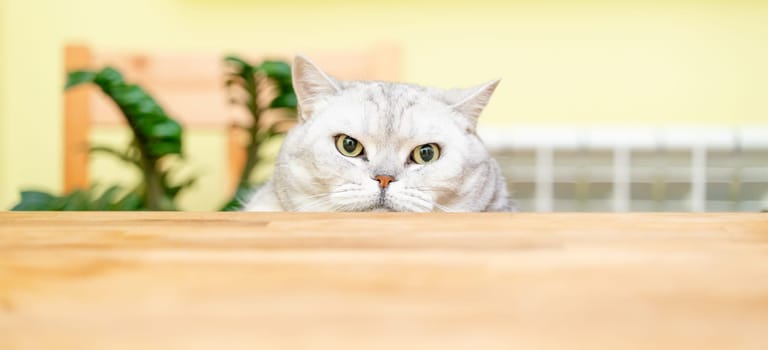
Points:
x=379 y=146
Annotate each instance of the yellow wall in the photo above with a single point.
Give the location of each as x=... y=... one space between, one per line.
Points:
x=31 y=78
x=640 y=62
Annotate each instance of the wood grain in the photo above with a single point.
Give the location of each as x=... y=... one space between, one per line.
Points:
x=383 y=281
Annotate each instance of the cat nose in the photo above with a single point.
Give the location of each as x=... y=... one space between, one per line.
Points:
x=384 y=180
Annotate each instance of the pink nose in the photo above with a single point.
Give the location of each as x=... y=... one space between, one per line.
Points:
x=384 y=180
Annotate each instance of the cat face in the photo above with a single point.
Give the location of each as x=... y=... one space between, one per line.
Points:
x=376 y=146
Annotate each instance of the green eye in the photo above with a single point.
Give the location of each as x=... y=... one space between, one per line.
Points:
x=348 y=146
x=425 y=153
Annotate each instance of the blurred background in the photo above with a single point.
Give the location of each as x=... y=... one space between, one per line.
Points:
x=603 y=106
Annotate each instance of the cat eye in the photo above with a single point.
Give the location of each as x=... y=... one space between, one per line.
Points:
x=425 y=153
x=348 y=146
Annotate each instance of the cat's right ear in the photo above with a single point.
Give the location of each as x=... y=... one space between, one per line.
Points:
x=473 y=100
x=311 y=85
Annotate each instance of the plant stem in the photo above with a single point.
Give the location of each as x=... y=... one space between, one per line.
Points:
x=154 y=193
x=254 y=141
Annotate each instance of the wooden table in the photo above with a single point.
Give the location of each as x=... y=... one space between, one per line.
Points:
x=383 y=281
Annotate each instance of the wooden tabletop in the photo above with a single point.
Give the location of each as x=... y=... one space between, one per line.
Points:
x=383 y=281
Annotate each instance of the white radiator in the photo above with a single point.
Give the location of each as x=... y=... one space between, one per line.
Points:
x=555 y=168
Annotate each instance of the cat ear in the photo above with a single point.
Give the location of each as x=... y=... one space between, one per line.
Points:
x=311 y=85
x=472 y=101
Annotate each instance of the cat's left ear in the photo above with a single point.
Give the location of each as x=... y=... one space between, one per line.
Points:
x=311 y=85
x=473 y=101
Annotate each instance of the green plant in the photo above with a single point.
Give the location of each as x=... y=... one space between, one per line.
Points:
x=156 y=139
x=88 y=199
x=266 y=91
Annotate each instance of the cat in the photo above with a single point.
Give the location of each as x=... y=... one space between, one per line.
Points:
x=382 y=146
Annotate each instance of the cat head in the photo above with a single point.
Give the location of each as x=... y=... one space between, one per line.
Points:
x=369 y=145
x=315 y=89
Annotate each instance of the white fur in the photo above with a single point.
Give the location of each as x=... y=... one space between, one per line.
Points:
x=390 y=120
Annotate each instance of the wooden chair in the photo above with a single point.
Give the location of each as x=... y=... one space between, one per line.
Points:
x=190 y=87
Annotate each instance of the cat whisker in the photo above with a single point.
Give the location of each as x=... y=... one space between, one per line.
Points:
x=312 y=205
x=444 y=208
x=412 y=202
x=439 y=190
x=318 y=199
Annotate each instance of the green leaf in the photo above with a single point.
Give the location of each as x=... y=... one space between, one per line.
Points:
x=286 y=100
x=124 y=156
x=77 y=200
x=81 y=200
x=131 y=95
x=131 y=201
x=78 y=77
x=157 y=134
x=233 y=205
x=160 y=148
x=108 y=78
x=238 y=61
x=277 y=70
x=174 y=191
x=165 y=129
x=35 y=200
x=236 y=203
x=104 y=202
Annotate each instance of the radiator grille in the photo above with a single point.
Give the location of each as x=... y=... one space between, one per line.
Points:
x=634 y=169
